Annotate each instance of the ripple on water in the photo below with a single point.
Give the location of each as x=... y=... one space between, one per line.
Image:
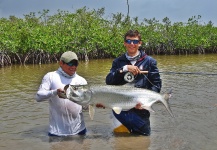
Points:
x=24 y=122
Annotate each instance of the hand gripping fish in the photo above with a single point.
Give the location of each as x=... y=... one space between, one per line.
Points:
x=117 y=98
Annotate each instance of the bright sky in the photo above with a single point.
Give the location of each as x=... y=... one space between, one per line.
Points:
x=175 y=10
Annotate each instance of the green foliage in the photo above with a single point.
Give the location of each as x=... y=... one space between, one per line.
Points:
x=87 y=32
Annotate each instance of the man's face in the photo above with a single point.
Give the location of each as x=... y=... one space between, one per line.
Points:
x=132 y=45
x=69 y=68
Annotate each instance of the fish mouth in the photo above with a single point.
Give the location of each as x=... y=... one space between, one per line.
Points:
x=80 y=94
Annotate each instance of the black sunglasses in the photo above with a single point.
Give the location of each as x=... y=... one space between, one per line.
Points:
x=72 y=63
x=128 y=41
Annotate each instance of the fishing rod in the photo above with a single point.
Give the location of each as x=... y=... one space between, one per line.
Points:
x=171 y=72
x=129 y=77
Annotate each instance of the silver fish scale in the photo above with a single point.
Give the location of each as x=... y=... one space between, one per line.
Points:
x=124 y=97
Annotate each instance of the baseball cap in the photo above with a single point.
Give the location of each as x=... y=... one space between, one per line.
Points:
x=68 y=56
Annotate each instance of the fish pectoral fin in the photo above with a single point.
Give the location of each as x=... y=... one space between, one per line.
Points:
x=117 y=110
x=91 y=111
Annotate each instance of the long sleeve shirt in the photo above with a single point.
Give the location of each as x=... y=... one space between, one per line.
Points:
x=65 y=117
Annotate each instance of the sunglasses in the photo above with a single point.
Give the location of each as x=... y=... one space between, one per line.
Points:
x=128 y=41
x=72 y=63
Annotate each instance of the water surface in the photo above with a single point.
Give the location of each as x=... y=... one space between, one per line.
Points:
x=24 y=122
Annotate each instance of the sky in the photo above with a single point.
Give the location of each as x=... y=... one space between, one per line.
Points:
x=175 y=10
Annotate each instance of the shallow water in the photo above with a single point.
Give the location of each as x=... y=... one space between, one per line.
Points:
x=24 y=122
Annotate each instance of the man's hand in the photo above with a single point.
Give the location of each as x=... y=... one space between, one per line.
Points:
x=134 y=69
x=61 y=93
x=139 y=106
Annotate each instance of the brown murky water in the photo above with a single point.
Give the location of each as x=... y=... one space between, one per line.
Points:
x=24 y=122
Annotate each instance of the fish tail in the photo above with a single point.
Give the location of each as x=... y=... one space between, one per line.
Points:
x=165 y=101
x=168 y=95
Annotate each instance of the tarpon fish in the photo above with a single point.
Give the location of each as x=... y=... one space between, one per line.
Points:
x=117 y=98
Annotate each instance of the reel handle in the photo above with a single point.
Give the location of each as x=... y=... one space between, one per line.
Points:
x=143 y=72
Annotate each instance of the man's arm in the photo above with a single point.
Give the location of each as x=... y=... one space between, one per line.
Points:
x=115 y=76
x=44 y=91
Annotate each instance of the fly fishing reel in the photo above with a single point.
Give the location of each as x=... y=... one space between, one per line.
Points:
x=129 y=77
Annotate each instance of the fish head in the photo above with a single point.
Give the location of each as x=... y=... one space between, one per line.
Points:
x=80 y=94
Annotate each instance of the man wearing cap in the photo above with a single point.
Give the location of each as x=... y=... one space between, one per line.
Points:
x=66 y=117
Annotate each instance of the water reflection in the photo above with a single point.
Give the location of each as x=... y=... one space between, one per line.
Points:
x=24 y=122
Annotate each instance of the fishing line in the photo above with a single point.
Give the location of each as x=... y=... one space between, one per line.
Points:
x=129 y=77
x=151 y=82
x=194 y=73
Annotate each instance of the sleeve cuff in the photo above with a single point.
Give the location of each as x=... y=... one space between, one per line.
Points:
x=125 y=69
x=54 y=92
